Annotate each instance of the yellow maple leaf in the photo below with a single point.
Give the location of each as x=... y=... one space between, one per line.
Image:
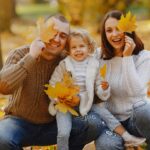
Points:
x=67 y=79
x=103 y=71
x=51 y=91
x=62 y=107
x=59 y=91
x=1 y=114
x=127 y=23
x=45 y=29
x=30 y=34
x=65 y=92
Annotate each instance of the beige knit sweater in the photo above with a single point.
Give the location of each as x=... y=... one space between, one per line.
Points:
x=24 y=78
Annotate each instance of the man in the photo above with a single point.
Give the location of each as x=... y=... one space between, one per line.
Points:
x=27 y=121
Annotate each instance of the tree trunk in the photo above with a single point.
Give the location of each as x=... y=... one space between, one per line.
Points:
x=6 y=11
x=14 y=14
x=6 y=14
x=1 y=60
x=37 y=1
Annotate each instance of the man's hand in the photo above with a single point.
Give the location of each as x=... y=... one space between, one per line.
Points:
x=36 y=48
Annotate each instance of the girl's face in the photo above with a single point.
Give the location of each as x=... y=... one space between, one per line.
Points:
x=78 y=48
x=114 y=36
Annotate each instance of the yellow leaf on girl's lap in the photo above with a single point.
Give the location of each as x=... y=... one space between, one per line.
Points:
x=62 y=107
x=65 y=94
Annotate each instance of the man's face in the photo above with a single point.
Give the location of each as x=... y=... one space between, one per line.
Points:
x=58 y=42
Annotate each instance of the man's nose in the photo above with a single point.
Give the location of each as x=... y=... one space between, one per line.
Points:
x=57 y=38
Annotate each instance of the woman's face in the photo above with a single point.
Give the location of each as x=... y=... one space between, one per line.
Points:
x=114 y=36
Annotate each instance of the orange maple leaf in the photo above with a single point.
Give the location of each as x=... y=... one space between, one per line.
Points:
x=127 y=23
x=62 y=107
x=65 y=92
x=103 y=71
x=46 y=29
x=43 y=29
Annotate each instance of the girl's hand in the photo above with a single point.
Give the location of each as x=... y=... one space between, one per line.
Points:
x=129 y=46
x=104 y=85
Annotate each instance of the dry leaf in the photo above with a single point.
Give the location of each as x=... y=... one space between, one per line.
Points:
x=66 y=94
x=103 y=71
x=43 y=29
x=1 y=114
x=30 y=34
x=46 y=29
x=127 y=23
x=62 y=107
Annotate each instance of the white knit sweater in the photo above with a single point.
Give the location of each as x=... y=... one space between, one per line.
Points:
x=91 y=70
x=80 y=68
x=128 y=78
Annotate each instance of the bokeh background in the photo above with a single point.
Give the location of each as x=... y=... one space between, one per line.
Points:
x=18 y=18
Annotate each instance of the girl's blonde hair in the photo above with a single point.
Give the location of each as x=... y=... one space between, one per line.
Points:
x=86 y=38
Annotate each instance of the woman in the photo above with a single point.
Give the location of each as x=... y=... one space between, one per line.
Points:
x=127 y=74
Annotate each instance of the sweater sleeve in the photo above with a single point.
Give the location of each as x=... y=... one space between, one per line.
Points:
x=58 y=73
x=14 y=71
x=136 y=74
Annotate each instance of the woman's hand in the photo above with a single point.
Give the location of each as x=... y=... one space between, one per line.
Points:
x=104 y=85
x=129 y=46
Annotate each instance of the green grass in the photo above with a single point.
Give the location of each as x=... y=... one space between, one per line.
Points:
x=33 y=11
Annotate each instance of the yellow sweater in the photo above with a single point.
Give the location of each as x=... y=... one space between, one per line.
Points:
x=24 y=78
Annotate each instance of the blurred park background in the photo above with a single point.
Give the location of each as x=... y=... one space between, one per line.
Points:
x=17 y=17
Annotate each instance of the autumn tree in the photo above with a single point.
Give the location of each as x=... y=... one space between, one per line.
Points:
x=36 y=1
x=87 y=11
x=1 y=62
x=7 y=10
x=73 y=10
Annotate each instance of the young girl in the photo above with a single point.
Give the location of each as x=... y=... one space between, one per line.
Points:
x=83 y=68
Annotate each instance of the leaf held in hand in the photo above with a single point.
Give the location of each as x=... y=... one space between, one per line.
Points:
x=66 y=94
x=127 y=23
x=103 y=71
x=46 y=29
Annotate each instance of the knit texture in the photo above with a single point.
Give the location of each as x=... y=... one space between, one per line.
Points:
x=80 y=73
x=128 y=78
x=86 y=96
x=24 y=78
